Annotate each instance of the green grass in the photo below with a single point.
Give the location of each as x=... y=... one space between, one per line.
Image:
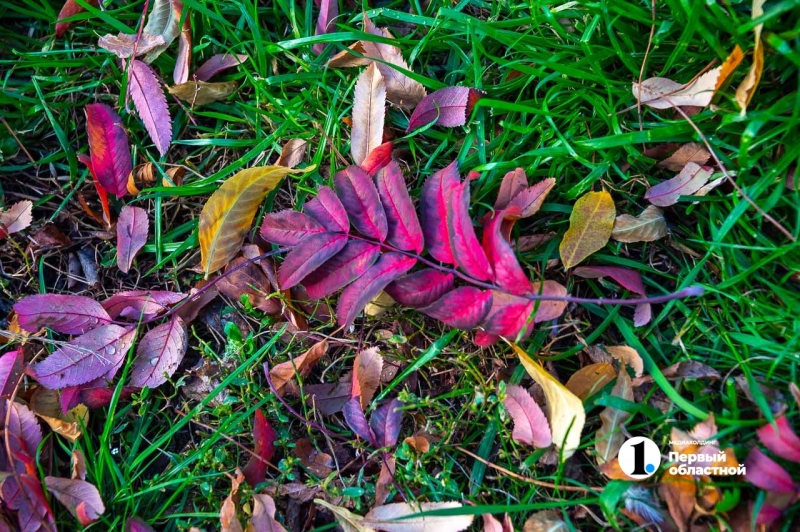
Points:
x=558 y=115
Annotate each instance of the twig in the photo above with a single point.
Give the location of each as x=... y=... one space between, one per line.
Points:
x=644 y=63
x=22 y=146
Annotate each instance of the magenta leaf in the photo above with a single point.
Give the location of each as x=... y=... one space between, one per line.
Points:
x=11 y=369
x=513 y=183
x=328 y=210
x=385 y=423
x=437 y=192
x=80 y=497
x=136 y=524
x=766 y=474
x=354 y=417
x=629 y=279
x=61 y=313
x=466 y=248
x=342 y=269
x=404 y=229
x=508 y=273
x=328 y=10
x=159 y=353
x=141 y=304
x=86 y=358
x=530 y=199
x=218 y=63
x=264 y=438
x=420 y=289
x=109 y=148
x=377 y=159
x=355 y=297
x=132 y=228
x=530 y=424
x=289 y=228
x=509 y=316
x=151 y=104
x=781 y=439
x=642 y=315
x=361 y=202
x=304 y=259
x=100 y=397
x=485 y=339
x=449 y=107
x=690 y=180
x=463 y=308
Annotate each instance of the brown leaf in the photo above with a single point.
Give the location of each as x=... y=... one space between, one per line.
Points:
x=545 y=521
x=366 y=375
x=285 y=371
x=78 y=465
x=122 y=45
x=419 y=443
x=263 y=519
x=248 y=280
x=529 y=242
x=203 y=92
x=590 y=226
x=647 y=227
x=229 y=522
x=750 y=82
x=729 y=65
x=627 y=355
x=590 y=379
x=346 y=58
x=613 y=470
x=609 y=437
x=385 y=482
x=293 y=153
x=680 y=494
x=319 y=463
x=689 y=369
x=146 y=175
x=369 y=114
x=663 y=93
x=693 y=152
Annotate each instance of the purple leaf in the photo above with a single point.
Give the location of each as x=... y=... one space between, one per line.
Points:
x=385 y=423
x=70 y=398
x=159 y=353
x=509 y=316
x=466 y=248
x=64 y=314
x=218 y=63
x=690 y=180
x=642 y=315
x=354 y=417
x=136 y=524
x=34 y=513
x=530 y=424
x=11 y=369
x=437 y=192
x=361 y=201
x=463 y=308
x=449 y=107
x=328 y=10
x=132 y=228
x=513 y=183
x=86 y=358
x=530 y=200
x=766 y=474
x=78 y=496
x=141 y=304
x=23 y=431
x=264 y=438
x=404 y=229
x=355 y=297
x=304 y=259
x=109 y=148
x=420 y=289
x=151 y=104
x=629 y=279
x=328 y=210
x=342 y=269
x=289 y=228
x=508 y=273
x=781 y=439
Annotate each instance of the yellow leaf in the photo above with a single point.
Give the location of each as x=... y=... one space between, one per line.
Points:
x=590 y=379
x=203 y=92
x=590 y=226
x=730 y=64
x=229 y=212
x=750 y=82
x=564 y=409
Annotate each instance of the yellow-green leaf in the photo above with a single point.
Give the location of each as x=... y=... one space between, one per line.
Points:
x=203 y=92
x=564 y=409
x=590 y=226
x=229 y=212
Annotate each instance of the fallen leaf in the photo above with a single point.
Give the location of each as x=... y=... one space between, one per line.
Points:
x=159 y=354
x=108 y=147
x=318 y=463
x=141 y=304
x=609 y=437
x=284 y=372
x=151 y=105
x=419 y=443
x=693 y=152
x=203 y=92
x=627 y=355
x=396 y=518
x=781 y=439
x=18 y=217
x=680 y=494
x=135 y=524
x=250 y=280
x=78 y=496
x=264 y=438
x=448 y=107
x=228 y=520
x=70 y=9
x=218 y=63
x=529 y=242
x=690 y=180
x=689 y=369
x=564 y=409
x=132 y=228
x=386 y=422
x=590 y=379
x=328 y=11
x=162 y=21
x=750 y=82
x=367 y=368
x=263 y=519
x=385 y=482
x=293 y=153
x=492 y=524
x=530 y=424
x=590 y=226
x=729 y=65
x=123 y=44
x=369 y=114
x=647 y=227
x=663 y=93
x=180 y=73
x=346 y=58
x=545 y=521
x=78 y=465
x=11 y=369
x=626 y=277
x=66 y=314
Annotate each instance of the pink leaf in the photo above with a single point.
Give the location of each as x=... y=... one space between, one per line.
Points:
x=304 y=259
x=449 y=107
x=404 y=230
x=690 y=180
x=437 y=192
x=78 y=496
x=342 y=269
x=180 y=74
x=264 y=448
x=530 y=424
x=781 y=439
x=513 y=183
x=86 y=358
x=141 y=304
x=466 y=248
x=548 y=310
x=768 y=515
x=463 y=308
x=385 y=423
x=64 y=314
x=766 y=474
x=101 y=397
x=109 y=148
x=132 y=228
x=11 y=369
x=361 y=201
x=328 y=10
x=642 y=315
x=328 y=210
x=509 y=316
x=16 y=218
x=159 y=353
x=151 y=104
x=508 y=273
x=355 y=297
x=530 y=200
x=485 y=339
x=377 y=159
x=218 y=63
x=420 y=289
x=354 y=417
x=136 y=524
x=630 y=279
x=70 y=398
x=289 y=228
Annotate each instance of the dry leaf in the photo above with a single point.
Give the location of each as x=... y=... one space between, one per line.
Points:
x=731 y=62
x=319 y=463
x=647 y=227
x=203 y=92
x=419 y=443
x=395 y=518
x=680 y=494
x=346 y=58
x=750 y=82
x=590 y=226
x=663 y=93
x=292 y=154
x=263 y=519
x=369 y=113
x=385 y=482
x=164 y=22
x=285 y=371
x=229 y=522
x=545 y=521
x=530 y=425
x=627 y=355
x=565 y=410
x=367 y=369
x=609 y=437
x=122 y=44
x=78 y=465
x=590 y=379
x=690 y=180
x=693 y=152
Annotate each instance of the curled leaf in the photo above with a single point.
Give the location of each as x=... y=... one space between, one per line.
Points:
x=203 y=92
x=748 y=86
